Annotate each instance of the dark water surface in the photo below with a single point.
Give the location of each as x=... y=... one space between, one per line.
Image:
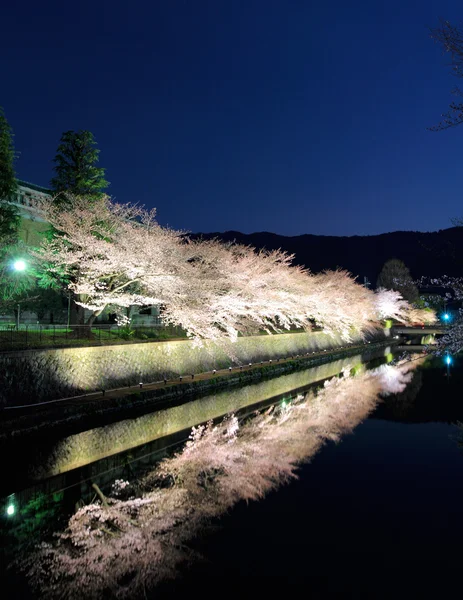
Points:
x=365 y=514
x=383 y=503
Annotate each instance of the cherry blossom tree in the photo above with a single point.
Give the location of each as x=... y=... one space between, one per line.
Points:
x=238 y=290
x=452 y=341
x=117 y=255
x=390 y=305
x=341 y=305
x=111 y=254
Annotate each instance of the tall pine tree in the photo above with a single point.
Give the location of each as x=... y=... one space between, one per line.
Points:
x=77 y=174
x=75 y=167
x=13 y=285
x=7 y=156
x=9 y=219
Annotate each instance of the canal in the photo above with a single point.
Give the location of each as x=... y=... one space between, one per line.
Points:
x=375 y=446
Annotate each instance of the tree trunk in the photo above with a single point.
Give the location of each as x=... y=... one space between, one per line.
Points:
x=92 y=318
x=80 y=328
x=77 y=312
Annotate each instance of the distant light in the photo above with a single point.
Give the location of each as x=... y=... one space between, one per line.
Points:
x=10 y=510
x=446 y=317
x=19 y=265
x=448 y=360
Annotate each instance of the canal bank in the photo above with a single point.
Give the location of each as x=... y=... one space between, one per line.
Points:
x=70 y=415
x=117 y=450
x=36 y=376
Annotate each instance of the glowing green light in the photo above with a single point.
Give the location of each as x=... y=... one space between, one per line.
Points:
x=19 y=265
x=283 y=404
x=10 y=510
x=358 y=369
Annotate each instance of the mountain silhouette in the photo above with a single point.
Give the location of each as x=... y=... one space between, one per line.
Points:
x=426 y=254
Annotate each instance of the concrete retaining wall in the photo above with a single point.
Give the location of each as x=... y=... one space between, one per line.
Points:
x=40 y=375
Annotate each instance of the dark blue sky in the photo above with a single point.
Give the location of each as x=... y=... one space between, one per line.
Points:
x=289 y=116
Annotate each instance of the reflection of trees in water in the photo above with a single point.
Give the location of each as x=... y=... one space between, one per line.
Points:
x=37 y=519
x=95 y=444
x=400 y=405
x=122 y=547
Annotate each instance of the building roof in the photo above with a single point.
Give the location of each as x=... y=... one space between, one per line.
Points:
x=33 y=186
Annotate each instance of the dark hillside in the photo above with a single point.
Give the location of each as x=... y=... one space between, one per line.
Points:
x=429 y=254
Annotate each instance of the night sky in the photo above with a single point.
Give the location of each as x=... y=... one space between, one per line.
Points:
x=289 y=116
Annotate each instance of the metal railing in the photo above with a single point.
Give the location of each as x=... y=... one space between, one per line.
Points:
x=13 y=337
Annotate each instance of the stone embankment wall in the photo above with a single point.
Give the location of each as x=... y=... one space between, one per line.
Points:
x=40 y=375
x=95 y=444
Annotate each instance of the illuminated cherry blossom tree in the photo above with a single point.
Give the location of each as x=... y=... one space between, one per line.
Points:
x=389 y=304
x=117 y=255
x=111 y=254
x=452 y=341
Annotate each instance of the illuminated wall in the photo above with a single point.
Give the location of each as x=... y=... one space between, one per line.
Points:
x=95 y=444
x=40 y=375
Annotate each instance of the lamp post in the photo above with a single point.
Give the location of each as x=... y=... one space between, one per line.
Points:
x=69 y=310
x=19 y=266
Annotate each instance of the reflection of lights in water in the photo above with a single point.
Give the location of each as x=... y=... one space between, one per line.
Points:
x=245 y=464
x=448 y=360
x=11 y=508
x=358 y=369
x=388 y=354
x=95 y=444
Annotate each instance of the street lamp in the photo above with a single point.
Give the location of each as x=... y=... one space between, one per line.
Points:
x=19 y=265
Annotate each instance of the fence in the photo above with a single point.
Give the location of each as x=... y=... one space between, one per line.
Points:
x=13 y=337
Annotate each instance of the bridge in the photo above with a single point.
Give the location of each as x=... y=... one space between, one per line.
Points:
x=419 y=330
x=419 y=336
